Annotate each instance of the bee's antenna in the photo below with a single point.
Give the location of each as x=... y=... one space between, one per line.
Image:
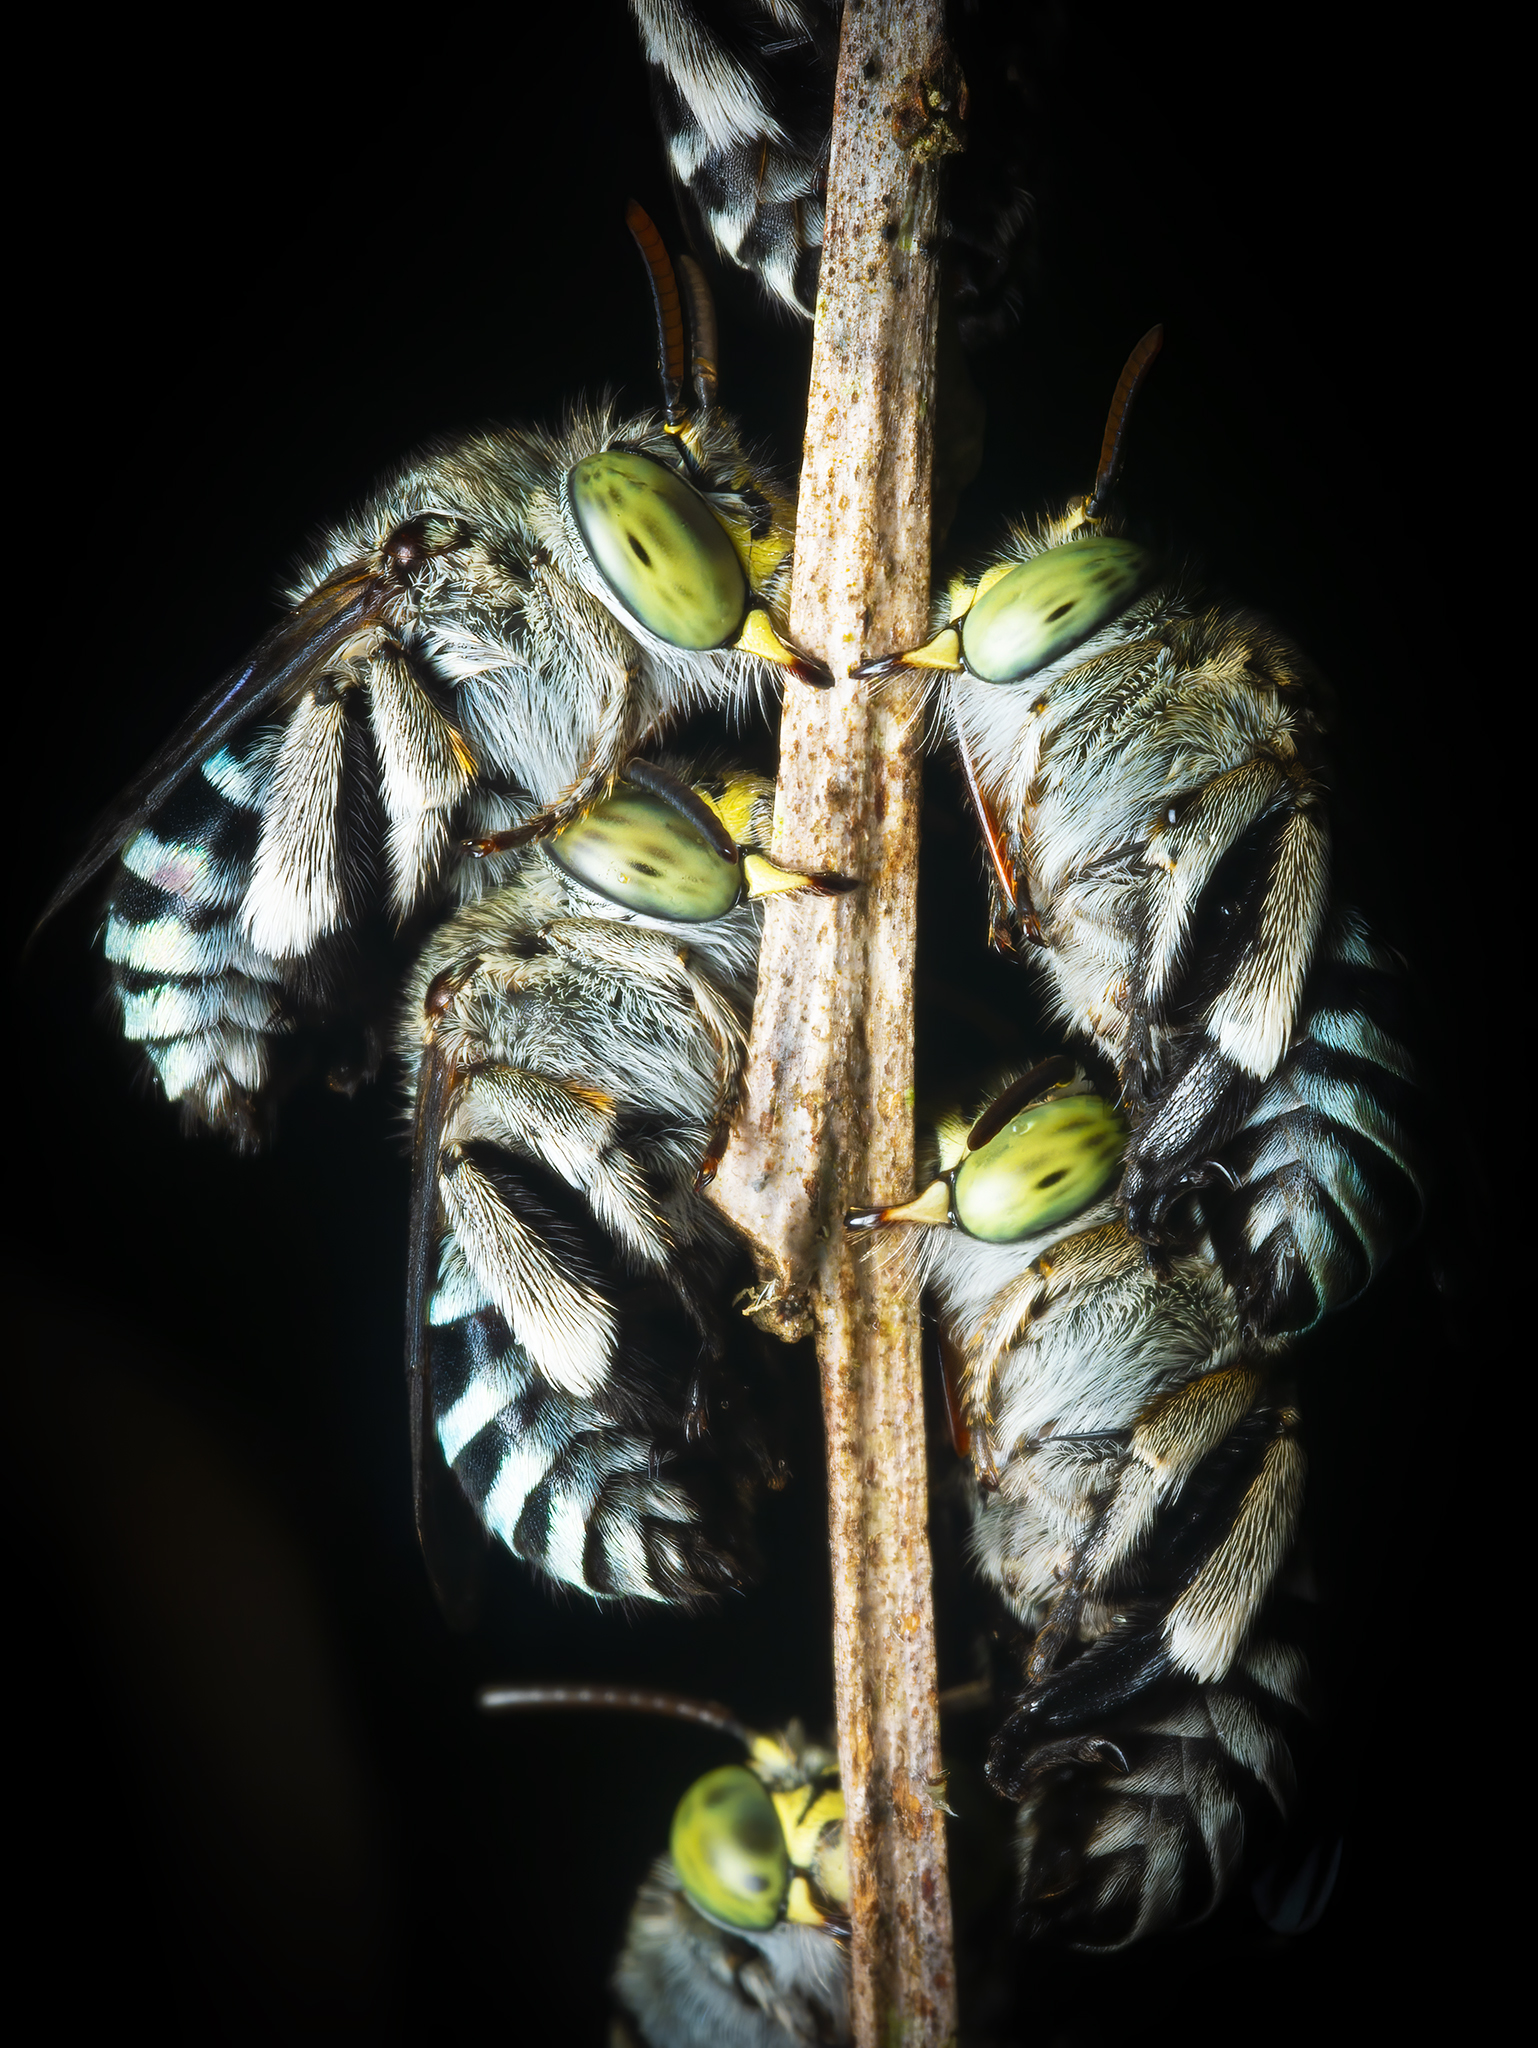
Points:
x=614 y=1699
x=702 y=325
x=672 y=348
x=1136 y=369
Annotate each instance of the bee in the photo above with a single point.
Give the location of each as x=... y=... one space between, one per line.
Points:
x=1141 y=1481
x=739 y=1933
x=576 y=1041
x=1148 y=768
x=743 y=100
x=465 y=663
x=745 y=109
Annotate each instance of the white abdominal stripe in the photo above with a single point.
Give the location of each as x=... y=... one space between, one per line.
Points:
x=210 y=1005
x=1139 y=1827
x=560 y=1385
x=202 y=1000
x=1325 y=1174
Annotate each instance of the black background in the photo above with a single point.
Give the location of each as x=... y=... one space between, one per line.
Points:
x=261 y=1804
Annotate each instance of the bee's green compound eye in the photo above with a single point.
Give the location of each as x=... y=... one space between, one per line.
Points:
x=644 y=855
x=1048 y=605
x=729 y=1849
x=1046 y=1165
x=659 y=547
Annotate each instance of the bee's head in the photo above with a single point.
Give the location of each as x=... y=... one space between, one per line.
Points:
x=1041 y=1153
x=753 y=1844
x=750 y=1854
x=1020 y=617
x=672 y=559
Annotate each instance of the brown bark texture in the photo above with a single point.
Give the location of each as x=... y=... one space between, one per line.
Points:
x=827 y=1120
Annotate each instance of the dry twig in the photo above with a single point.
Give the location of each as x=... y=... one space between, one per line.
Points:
x=829 y=1107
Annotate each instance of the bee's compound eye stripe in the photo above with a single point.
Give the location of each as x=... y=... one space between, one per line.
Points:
x=1047 y=1164
x=659 y=547
x=643 y=854
x=729 y=1849
x=1049 y=604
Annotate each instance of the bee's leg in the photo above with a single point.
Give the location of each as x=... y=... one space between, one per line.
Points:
x=650 y=959
x=1241 y=886
x=1167 y=1444
x=507 y=1237
x=715 y=1152
x=425 y=768
x=572 y=1130
x=1206 y=1626
x=1207 y=1503
x=319 y=821
x=613 y=743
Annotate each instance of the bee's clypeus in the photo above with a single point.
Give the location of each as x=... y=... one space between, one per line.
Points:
x=576 y=1038
x=738 y=1933
x=468 y=659
x=1140 y=1484
x=1147 y=767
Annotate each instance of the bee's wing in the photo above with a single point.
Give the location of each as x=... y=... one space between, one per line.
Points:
x=453 y=1542
x=282 y=662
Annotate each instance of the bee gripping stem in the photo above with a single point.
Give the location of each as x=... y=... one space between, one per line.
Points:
x=827 y=1119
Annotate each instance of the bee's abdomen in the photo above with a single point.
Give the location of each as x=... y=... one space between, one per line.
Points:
x=191 y=988
x=1139 y=1825
x=743 y=94
x=1331 y=1163
x=599 y=1490
x=743 y=98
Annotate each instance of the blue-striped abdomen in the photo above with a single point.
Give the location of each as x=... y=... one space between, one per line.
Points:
x=191 y=988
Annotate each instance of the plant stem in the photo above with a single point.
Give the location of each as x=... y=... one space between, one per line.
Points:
x=828 y=1115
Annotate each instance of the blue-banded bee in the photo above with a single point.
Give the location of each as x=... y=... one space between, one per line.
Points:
x=466 y=662
x=1141 y=1481
x=1147 y=765
x=576 y=1039
x=738 y=1934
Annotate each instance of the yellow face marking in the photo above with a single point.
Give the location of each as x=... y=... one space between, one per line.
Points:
x=944 y=651
x=763 y=878
x=800 y=1907
x=932 y=1206
x=734 y=806
x=759 y=637
x=761 y=557
x=803 y=1820
x=813 y=1826
x=772 y=1752
x=989 y=577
